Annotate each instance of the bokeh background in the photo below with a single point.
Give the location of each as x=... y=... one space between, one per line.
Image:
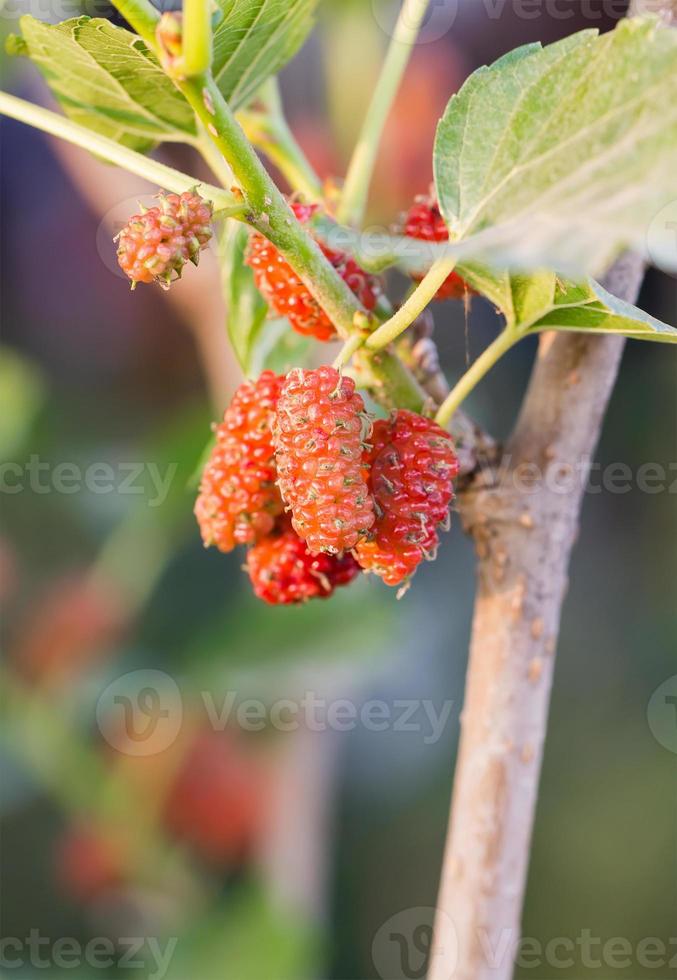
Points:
x=272 y=855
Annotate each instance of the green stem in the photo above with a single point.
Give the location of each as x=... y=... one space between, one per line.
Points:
x=267 y=210
x=197 y=37
x=474 y=374
x=270 y=214
x=361 y=169
x=136 y=163
x=142 y=16
x=414 y=306
x=389 y=381
x=351 y=345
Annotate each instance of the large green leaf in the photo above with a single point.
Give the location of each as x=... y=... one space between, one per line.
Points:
x=496 y=286
x=560 y=156
x=254 y=40
x=106 y=79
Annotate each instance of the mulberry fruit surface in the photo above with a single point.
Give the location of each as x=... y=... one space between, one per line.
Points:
x=283 y=571
x=319 y=435
x=288 y=297
x=239 y=500
x=412 y=464
x=155 y=245
x=424 y=221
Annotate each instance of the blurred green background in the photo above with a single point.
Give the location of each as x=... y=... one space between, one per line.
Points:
x=272 y=855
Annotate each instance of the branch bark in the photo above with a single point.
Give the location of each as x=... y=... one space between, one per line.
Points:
x=524 y=526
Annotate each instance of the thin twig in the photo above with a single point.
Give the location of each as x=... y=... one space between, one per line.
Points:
x=352 y=205
x=123 y=156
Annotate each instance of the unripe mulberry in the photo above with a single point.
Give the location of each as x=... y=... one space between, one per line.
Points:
x=283 y=571
x=411 y=464
x=239 y=499
x=424 y=221
x=318 y=436
x=155 y=245
x=287 y=296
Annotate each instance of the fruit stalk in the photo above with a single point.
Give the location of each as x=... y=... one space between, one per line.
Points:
x=197 y=37
x=493 y=353
x=413 y=307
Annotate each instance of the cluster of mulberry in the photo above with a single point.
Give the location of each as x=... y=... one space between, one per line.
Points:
x=300 y=474
x=319 y=492
x=240 y=503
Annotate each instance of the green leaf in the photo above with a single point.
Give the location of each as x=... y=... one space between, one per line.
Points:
x=590 y=308
x=532 y=296
x=279 y=348
x=107 y=80
x=495 y=286
x=15 y=46
x=246 y=309
x=254 y=40
x=560 y=156
x=259 y=343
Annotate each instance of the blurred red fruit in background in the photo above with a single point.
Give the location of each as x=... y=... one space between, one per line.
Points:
x=69 y=627
x=216 y=802
x=88 y=863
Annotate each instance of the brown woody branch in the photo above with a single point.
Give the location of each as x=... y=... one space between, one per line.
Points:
x=524 y=530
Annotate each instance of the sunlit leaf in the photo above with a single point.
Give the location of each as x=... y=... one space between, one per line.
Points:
x=254 y=40
x=560 y=156
x=591 y=309
x=106 y=79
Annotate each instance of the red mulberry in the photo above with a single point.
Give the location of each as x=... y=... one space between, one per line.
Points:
x=287 y=296
x=411 y=467
x=425 y=222
x=239 y=500
x=318 y=436
x=283 y=571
